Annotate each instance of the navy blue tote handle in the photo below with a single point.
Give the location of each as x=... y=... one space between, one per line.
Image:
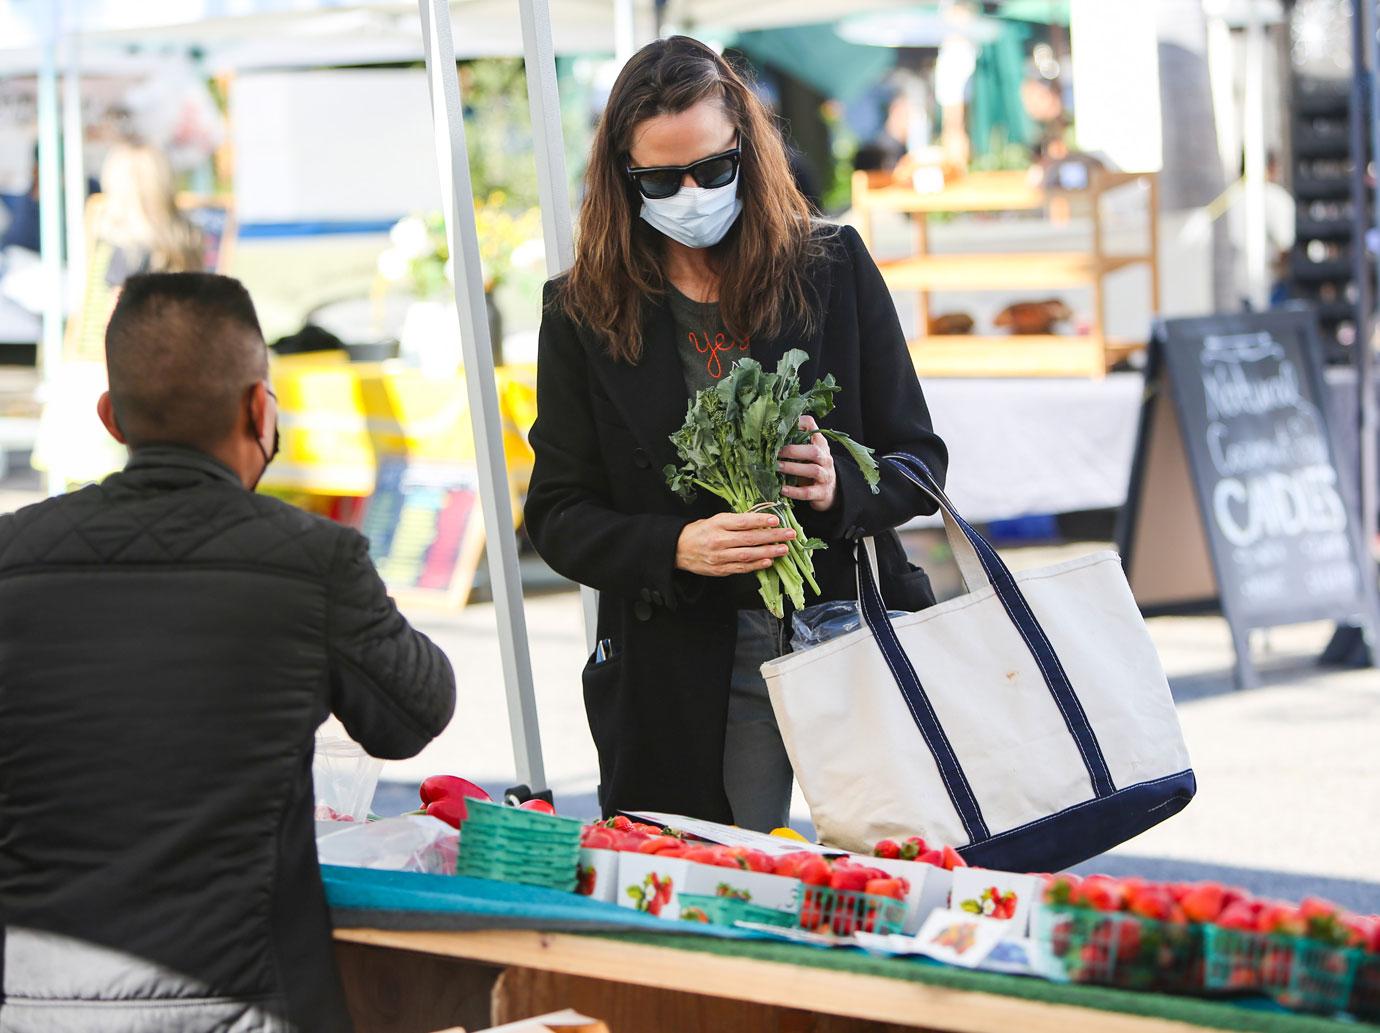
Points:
x=1022 y=617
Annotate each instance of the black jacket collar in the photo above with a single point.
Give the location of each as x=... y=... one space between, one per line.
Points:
x=181 y=457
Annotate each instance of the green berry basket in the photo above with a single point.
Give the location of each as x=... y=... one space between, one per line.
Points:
x=1122 y=950
x=512 y=845
x=845 y=912
x=1301 y=974
x=713 y=910
x=1365 y=994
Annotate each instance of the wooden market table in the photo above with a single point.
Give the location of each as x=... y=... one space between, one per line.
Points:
x=421 y=981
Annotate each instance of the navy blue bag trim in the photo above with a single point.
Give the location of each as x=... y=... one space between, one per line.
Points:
x=1084 y=830
x=1018 y=610
x=921 y=711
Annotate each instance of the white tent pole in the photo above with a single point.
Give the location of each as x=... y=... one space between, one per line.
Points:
x=1368 y=419
x=50 y=215
x=457 y=198
x=1253 y=138
x=543 y=98
x=74 y=163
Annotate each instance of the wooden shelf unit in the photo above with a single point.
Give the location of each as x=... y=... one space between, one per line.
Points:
x=1015 y=355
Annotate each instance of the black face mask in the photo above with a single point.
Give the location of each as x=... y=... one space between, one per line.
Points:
x=269 y=456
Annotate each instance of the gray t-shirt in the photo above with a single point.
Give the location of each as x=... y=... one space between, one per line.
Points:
x=707 y=350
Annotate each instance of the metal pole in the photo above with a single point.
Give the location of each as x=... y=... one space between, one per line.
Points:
x=543 y=98
x=74 y=163
x=1253 y=141
x=1362 y=222
x=1367 y=419
x=624 y=30
x=50 y=217
x=457 y=198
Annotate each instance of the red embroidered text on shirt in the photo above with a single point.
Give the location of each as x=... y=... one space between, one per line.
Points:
x=714 y=366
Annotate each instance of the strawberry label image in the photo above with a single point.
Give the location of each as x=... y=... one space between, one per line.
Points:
x=653 y=895
x=732 y=893
x=993 y=903
x=694 y=914
x=588 y=880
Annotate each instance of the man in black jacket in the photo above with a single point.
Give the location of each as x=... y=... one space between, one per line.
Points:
x=169 y=643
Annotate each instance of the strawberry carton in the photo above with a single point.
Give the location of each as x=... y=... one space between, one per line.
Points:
x=598 y=874
x=928 y=870
x=928 y=887
x=652 y=883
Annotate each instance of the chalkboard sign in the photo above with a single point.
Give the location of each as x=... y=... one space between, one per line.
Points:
x=1237 y=500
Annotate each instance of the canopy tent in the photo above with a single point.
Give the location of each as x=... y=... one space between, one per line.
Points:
x=223 y=35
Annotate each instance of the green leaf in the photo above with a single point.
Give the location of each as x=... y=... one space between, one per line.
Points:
x=972 y=907
x=862 y=455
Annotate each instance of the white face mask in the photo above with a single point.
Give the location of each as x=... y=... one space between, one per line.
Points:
x=696 y=216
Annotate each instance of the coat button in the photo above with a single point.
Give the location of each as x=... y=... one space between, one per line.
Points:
x=645 y=595
x=657 y=598
x=642 y=610
x=641 y=459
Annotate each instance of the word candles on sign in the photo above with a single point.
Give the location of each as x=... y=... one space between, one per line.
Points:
x=1236 y=499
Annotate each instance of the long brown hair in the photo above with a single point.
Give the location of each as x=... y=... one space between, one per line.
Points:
x=761 y=263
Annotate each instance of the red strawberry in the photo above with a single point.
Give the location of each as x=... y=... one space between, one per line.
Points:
x=759 y=862
x=886 y=848
x=789 y=864
x=656 y=844
x=439 y=787
x=700 y=854
x=1151 y=902
x=1204 y=902
x=538 y=805
x=1238 y=915
x=595 y=837
x=814 y=871
x=849 y=878
x=1283 y=919
x=1062 y=889
x=450 y=809
x=1102 y=893
x=620 y=823
x=934 y=857
x=952 y=859
x=888 y=887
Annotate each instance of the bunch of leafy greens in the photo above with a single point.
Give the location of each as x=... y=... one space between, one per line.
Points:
x=730 y=443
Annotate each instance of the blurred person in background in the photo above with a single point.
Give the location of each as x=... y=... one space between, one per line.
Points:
x=138 y=218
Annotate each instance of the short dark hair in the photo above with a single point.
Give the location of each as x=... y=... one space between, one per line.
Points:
x=181 y=350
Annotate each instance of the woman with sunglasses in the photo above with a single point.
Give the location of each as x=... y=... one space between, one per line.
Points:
x=695 y=250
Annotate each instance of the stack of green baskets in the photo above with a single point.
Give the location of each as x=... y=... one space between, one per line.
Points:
x=513 y=845
x=1298 y=973
x=1123 y=950
x=712 y=910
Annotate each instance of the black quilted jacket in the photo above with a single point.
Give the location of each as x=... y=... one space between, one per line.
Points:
x=169 y=643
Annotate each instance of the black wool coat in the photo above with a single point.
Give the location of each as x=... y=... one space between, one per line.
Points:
x=600 y=513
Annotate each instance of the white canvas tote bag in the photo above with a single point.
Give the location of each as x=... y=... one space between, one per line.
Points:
x=1027 y=723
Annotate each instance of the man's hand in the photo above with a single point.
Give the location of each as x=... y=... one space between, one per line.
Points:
x=731 y=543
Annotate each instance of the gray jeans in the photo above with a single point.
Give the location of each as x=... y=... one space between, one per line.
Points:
x=757 y=772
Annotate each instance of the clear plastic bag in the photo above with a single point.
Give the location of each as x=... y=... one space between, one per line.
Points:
x=408 y=843
x=344 y=777
x=815 y=625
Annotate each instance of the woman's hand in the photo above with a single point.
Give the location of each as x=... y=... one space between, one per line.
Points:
x=813 y=466
x=731 y=543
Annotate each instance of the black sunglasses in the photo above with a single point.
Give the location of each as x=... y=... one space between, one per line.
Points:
x=659 y=181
